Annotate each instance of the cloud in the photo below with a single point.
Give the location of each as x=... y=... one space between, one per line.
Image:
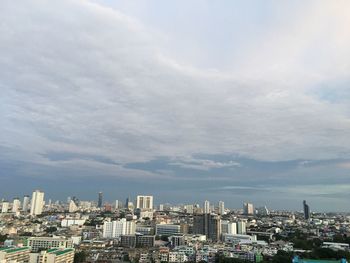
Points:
x=94 y=85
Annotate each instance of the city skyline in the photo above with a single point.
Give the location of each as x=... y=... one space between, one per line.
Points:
x=184 y=100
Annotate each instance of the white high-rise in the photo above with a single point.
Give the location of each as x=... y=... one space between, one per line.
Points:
x=114 y=229
x=37 y=204
x=144 y=202
x=16 y=205
x=26 y=201
x=5 y=207
x=206 y=207
x=241 y=228
x=228 y=227
x=221 y=207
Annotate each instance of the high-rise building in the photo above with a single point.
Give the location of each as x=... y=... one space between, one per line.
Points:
x=73 y=206
x=117 y=204
x=206 y=208
x=144 y=202
x=248 y=209
x=221 y=208
x=5 y=207
x=241 y=228
x=228 y=227
x=306 y=210
x=37 y=204
x=207 y=224
x=100 y=200
x=16 y=205
x=26 y=201
x=114 y=229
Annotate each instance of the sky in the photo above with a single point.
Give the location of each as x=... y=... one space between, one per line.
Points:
x=185 y=100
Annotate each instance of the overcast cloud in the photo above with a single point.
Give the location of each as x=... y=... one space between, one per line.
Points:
x=104 y=93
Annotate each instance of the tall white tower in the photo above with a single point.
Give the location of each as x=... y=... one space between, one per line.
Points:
x=37 y=204
x=5 y=207
x=206 y=207
x=16 y=205
x=221 y=207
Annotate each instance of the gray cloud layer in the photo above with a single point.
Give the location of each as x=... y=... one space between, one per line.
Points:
x=90 y=86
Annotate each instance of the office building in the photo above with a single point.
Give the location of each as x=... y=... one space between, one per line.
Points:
x=248 y=209
x=114 y=229
x=14 y=254
x=145 y=241
x=26 y=202
x=207 y=224
x=131 y=241
x=206 y=207
x=306 y=210
x=37 y=243
x=16 y=205
x=144 y=202
x=100 y=200
x=221 y=208
x=37 y=203
x=128 y=241
x=5 y=207
x=167 y=229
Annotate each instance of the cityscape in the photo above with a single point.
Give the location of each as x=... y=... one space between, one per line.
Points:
x=174 y=131
x=141 y=229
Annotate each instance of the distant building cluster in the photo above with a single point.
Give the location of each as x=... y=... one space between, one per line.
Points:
x=36 y=230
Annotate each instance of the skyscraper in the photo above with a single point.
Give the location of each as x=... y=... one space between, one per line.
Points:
x=37 y=204
x=144 y=202
x=221 y=208
x=306 y=210
x=206 y=208
x=100 y=200
x=16 y=205
x=5 y=207
x=248 y=209
x=26 y=201
x=207 y=224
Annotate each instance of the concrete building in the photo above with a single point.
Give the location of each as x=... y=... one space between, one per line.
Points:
x=53 y=255
x=206 y=207
x=114 y=229
x=144 y=202
x=73 y=206
x=221 y=208
x=228 y=227
x=167 y=229
x=14 y=254
x=37 y=203
x=241 y=228
x=248 y=209
x=207 y=224
x=37 y=243
x=16 y=205
x=25 y=204
x=5 y=207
